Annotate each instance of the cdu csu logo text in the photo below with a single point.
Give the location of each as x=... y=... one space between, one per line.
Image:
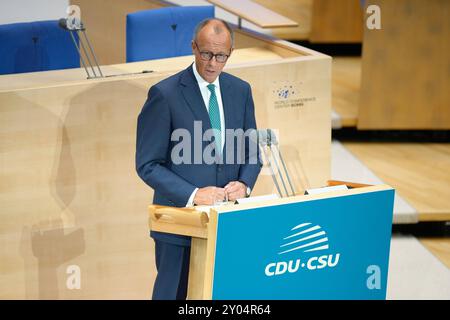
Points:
x=305 y=237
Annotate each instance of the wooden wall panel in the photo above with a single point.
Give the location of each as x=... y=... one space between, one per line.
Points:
x=336 y=21
x=299 y=11
x=255 y=13
x=405 y=67
x=105 y=22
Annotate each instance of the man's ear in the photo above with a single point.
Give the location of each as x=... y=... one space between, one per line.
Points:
x=231 y=50
x=193 y=46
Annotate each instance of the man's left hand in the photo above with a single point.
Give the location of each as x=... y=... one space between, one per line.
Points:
x=235 y=190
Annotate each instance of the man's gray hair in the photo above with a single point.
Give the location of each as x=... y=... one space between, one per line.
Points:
x=204 y=22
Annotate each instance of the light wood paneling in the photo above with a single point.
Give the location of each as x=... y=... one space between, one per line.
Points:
x=418 y=171
x=346 y=83
x=439 y=247
x=319 y=21
x=105 y=22
x=336 y=21
x=299 y=11
x=405 y=68
x=197 y=267
x=255 y=13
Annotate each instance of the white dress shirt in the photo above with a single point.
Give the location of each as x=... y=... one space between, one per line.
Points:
x=206 y=94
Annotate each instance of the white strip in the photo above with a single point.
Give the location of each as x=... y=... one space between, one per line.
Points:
x=415 y=273
x=301 y=232
x=325 y=247
x=315 y=235
x=301 y=225
x=335 y=120
x=306 y=245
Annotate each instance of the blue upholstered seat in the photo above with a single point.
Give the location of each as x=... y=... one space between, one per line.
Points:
x=163 y=33
x=36 y=46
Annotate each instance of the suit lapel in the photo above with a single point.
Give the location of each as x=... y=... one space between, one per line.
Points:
x=228 y=105
x=228 y=109
x=193 y=97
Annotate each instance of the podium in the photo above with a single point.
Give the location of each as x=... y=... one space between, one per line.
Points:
x=333 y=245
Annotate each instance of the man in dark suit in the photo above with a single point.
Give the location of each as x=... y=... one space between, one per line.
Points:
x=200 y=101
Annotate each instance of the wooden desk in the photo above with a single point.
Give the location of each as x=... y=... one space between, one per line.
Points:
x=320 y=21
x=212 y=238
x=299 y=11
x=69 y=192
x=255 y=13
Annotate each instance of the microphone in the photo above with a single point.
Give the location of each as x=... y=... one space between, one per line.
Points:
x=63 y=23
x=266 y=139
x=73 y=24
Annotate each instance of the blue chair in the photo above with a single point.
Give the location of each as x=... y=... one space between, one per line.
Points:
x=163 y=33
x=36 y=46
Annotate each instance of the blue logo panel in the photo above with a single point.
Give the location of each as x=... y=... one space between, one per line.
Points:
x=335 y=248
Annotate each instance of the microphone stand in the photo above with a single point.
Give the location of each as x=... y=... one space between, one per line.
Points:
x=78 y=27
x=267 y=137
x=272 y=172
x=83 y=30
x=79 y=52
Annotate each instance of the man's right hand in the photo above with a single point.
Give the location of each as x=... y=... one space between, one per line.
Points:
x=208 y=196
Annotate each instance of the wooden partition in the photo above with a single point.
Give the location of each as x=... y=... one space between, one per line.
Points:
x=405 y=67
x=255 y=13
x=105 y=22
x=320 y=21
x=336 y=21
x=70 y=198
x=299 y=11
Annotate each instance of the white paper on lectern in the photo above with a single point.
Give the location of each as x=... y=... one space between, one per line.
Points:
x=256 y=199
x=326 y=189
x=207 y=208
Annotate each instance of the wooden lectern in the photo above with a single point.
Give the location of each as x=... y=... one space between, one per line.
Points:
x=333 y=245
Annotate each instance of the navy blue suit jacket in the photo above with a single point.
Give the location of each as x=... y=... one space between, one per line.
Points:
x=175 y=103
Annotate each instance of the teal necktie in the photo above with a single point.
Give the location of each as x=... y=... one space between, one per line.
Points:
x=214 y=117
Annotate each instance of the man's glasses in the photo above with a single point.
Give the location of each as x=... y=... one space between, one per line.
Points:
x=208 y=55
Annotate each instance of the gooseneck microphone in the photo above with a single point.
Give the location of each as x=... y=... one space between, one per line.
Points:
x=75 y=25
x=267 y=139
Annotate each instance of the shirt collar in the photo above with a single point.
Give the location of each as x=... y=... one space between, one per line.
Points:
x=202 y=82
